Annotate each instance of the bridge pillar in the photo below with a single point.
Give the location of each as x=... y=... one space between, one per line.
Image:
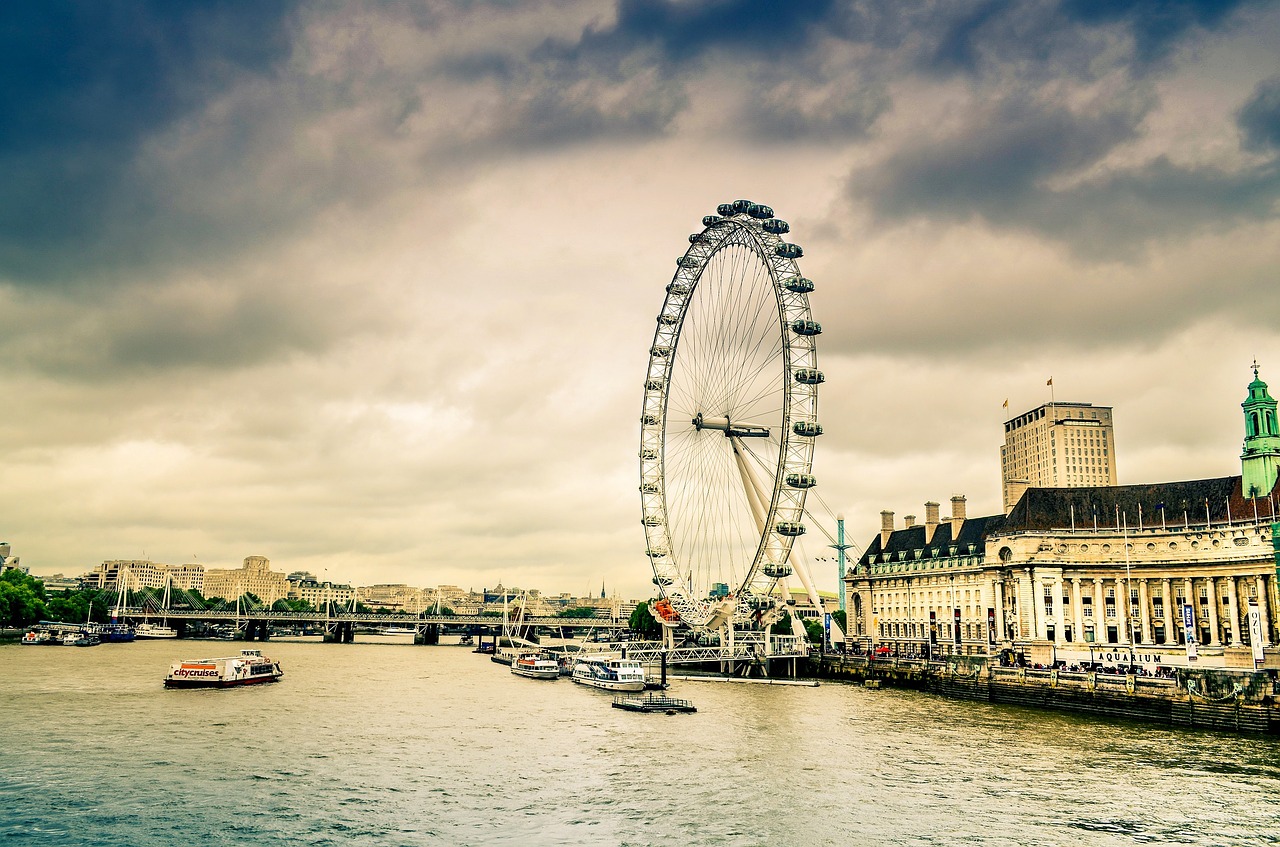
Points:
x=348 y=632
x=429 y=634
x=264 y=630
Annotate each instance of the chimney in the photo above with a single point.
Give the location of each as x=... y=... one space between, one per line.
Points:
x=908 y=521
x=886 y=527
x=957 y=515
x=930 y=520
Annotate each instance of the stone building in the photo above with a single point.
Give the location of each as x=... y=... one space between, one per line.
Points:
x=1089 y=574
x=1058 y=445
x=143 y=573
x=253 y=577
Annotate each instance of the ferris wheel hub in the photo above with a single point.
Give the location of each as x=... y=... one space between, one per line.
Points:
x=730 y=429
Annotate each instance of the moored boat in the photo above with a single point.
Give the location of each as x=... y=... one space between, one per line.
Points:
x=38 y=637
x=536 y=666
x=154 y=630
x=249 y=668
x=610 y=673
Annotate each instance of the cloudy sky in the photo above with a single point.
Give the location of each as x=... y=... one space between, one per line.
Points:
x=368 y=288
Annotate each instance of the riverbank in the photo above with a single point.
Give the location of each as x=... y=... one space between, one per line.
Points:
x=1194 y=699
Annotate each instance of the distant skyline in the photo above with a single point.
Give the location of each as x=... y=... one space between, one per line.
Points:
x=369 y=287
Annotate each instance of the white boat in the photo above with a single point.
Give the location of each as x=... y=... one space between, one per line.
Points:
x=249 y=668
x=394 y=630
x=154 y=630
x=610 y=673
x=536 y=666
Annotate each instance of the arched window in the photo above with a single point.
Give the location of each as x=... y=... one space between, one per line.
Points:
x=1252 y=424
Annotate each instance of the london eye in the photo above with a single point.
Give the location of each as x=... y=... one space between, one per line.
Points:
x=729 y=419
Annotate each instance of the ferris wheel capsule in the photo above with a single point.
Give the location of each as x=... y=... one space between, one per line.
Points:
x=810 y=376
x=798 y=285
x=776 y=226
x=777 y=571
x=759 y=211
x=741 y=206
x=711 y=220
x=726 y=210
x=803 y=327
x=787 y=250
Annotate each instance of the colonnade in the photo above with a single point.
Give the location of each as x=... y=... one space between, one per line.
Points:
x=1040 y=612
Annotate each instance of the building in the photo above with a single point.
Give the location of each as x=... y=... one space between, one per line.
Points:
x=7 y=559
x=144 y=573
x=1089 y=574
x=253 y=577
x=319 y=594
x=1058 y=445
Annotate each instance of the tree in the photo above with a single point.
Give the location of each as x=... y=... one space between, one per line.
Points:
x=643 y=622
x=577 y=612
x=842 y=619
x=21 y=598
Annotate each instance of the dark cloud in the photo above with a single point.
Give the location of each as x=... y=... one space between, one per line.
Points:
x=1021 y=166
x=1156 y=26
x=1259 y=118
x=86 y=86
x=742 y=30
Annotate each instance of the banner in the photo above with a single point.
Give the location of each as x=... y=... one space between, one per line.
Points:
x=933 y=627
x=955 y=628
x=826 y=628
x=991 y=626
x=1255 y=634
x=1189 y=630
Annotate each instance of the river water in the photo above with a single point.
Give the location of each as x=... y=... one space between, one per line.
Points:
x=392 y=744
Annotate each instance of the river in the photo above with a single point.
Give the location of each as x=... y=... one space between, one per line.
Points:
x=392 y=744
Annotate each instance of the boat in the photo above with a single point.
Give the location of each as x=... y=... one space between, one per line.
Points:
x=536 y=666
x=83 y=638
x=38 y=637
x=248 y=668
x=393 y=630
x=154 y=630
x=466 y=641
x=610 y=673
x=112 y=633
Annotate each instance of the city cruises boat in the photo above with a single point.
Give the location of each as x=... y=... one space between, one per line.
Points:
x=38 y=637
x=249 y=668
x=609 y=673
x=536 y=666
x=154 y=630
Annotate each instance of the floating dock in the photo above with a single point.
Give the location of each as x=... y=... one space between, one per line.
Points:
x=653 y=703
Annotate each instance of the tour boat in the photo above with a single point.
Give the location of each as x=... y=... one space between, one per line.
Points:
x=536 y=666
x=249 y=668
x=154 y=630
x=38 y=637
x=609 y=673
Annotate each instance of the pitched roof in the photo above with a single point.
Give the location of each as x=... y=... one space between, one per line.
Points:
x=1174 y=502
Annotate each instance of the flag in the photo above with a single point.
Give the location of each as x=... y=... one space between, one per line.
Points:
x=1006 y=402
x=1050 y=382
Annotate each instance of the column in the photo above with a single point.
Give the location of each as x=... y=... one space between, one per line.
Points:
x=1172 y=616
x=1099 y=613
x=1144 y=611
x=1061 y=621
x=1233 y=609
x=1215 y=639
x=997 y=603
x=1262 y=610
x=1036 y=612
x=1077 y=612
x=1124 y=612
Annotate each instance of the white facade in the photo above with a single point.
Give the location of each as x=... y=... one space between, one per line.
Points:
x=142 y=573
x=254 y=577
x=1057 y=445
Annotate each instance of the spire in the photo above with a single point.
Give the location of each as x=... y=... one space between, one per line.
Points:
x=1260 y=461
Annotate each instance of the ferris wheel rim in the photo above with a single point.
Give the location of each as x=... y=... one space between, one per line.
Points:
x=797 y=427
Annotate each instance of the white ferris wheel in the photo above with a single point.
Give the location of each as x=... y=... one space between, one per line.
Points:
x=729 y=420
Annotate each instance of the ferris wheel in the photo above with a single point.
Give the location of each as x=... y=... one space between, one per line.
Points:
x=729 y=419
